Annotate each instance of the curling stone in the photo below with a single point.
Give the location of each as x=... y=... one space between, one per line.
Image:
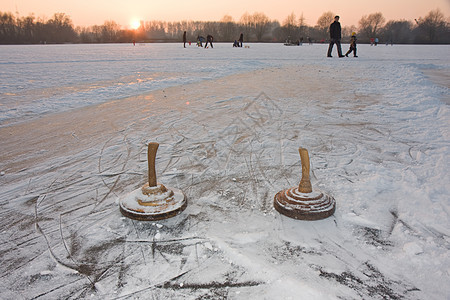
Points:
x=302 y=202
x=153 y=201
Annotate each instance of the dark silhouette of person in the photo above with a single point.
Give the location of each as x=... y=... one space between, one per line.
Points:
x=200 y=40
x=241 y=39
x=352 y=45
x=209 y=39
x=184 y=39
x=335 y=37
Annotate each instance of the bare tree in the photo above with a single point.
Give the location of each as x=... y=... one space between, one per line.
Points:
x=371 y=25
x=246 y=24
x=227 y=28
x=398 y=32
x=290 y=21
x=212 y=28
x=96 y=33
x=110 y=31
x=302 y=25
x=432 y=27
x=254 y=26
x=7 y=27
x=323 y=24
x=60 y=29
x=301 y=21
x=26 y=29
x=348 y=30
x=261 y=24
x=290 y=26
x=155 y=30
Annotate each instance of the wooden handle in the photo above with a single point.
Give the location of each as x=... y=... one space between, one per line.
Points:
x=151 y=155
x=305 y=183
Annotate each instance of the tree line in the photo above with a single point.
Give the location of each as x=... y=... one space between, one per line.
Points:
x=433 y=28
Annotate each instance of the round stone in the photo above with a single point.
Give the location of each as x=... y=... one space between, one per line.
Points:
x=144 y=206
x=304 y=206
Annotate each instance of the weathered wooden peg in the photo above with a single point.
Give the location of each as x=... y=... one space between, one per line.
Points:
x=153 y=201
x=302 y=202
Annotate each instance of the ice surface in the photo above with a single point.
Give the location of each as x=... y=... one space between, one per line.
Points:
x=377 y=129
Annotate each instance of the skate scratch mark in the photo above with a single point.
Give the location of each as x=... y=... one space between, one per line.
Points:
x=210 y=285
x=29 y=182
x=52 y=254
x=111 y=189
x=101 y=158
x=140 y=247
x=252 y=176
x=97 y=221
x=199 y=239
x=110 y=267
x=169 y=164
x=228 y=145
x=64 y=241
x=154 y=286
x=56 y=288
x=282 y=166
x=76 y=263
x=162 y=284
x=154 y=249
x=58 y=188
x=262 y=172
x=23 y=263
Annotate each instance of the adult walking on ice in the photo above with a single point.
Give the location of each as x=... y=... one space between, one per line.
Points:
x=209 y=39
x=241 y=39
x=184 y=39
x=335 y=37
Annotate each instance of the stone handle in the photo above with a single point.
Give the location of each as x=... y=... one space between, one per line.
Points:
x=305 y=182
x=151 y=156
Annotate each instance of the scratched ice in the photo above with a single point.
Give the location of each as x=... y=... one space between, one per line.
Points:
x=376 y=128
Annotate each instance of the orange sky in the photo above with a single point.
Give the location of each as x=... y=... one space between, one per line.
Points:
x=95 y=12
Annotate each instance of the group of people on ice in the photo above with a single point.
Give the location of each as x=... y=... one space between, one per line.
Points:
x=238 y=43
x=200 y=40
x=335 y=38
x=210 y=39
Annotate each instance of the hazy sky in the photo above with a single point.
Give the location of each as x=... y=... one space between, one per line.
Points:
x=95 y=12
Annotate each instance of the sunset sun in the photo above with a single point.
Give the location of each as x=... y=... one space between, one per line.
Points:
x=135 y=23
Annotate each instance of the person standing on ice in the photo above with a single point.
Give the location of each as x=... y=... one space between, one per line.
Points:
x=335 y=37
x=209 y=38
x=200 y=40
x=352 y=45
x=241 y=39
x=184 y=39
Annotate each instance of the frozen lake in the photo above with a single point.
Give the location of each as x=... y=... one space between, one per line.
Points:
x=41 y=79
x=75 y=121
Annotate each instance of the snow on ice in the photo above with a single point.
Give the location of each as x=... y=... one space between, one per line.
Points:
x=75 y=121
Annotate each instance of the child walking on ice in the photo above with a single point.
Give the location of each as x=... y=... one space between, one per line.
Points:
x=352 y=45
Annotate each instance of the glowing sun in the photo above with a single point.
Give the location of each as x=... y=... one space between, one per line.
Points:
x=135 y=23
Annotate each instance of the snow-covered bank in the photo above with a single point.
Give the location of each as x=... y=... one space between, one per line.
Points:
x=377 y=130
